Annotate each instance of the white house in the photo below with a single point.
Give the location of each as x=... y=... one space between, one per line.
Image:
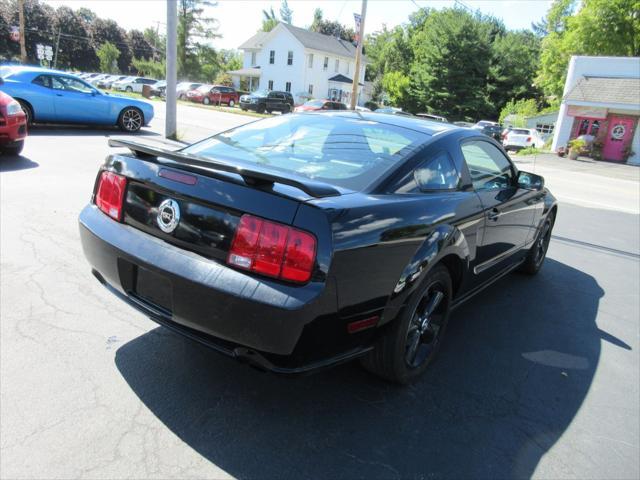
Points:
x=602 y=98
x=305 y=63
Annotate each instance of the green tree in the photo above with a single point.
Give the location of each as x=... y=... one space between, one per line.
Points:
x=74 y=50
x=149 y=68
x=223 y=78
x=230 y=60
x=333 y=28
x=138 y=45
x=194 y=29
x=521 y=109
x=107 y=30
x=452 y=51
x=387 y=51
x=269 y=20
x=605 y=27
x=108 y=54
x=555 y=55
x=286 y=14
x=514 y=63
x=157 y=41
x=396 y=85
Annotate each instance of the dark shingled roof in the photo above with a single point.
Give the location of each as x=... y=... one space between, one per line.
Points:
x=606 y=90
x=312 y=40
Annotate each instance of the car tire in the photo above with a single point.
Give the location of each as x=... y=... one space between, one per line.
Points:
x=28 y=111
x=14 y=149
x=261 y=109
x=286 y=109
x=231 y=103
x=206 y=101
x=128 y=89
x=414 y=338
x=131 y=120
x=538 y=251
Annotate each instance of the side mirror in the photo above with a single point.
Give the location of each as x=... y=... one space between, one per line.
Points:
x=530 y=181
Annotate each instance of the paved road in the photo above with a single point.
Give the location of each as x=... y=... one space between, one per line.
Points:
x=539 y=377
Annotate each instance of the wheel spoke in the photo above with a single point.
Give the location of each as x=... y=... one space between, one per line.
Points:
x=433 y=303
x=412 y=348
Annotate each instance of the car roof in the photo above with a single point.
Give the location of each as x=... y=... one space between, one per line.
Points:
x=428 y=127
x=39 y=70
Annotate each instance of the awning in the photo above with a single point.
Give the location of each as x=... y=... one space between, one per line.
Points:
x=343 y=79
x=246 y=72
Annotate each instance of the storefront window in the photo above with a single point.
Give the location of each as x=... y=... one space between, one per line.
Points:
x=584 y=127
x=595 y=127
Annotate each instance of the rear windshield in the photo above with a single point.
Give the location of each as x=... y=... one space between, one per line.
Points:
x=344 y=151
x=314 y=103
x=520 y=131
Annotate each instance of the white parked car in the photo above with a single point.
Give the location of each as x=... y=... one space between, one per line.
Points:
x=133 y=84
x=518 y=138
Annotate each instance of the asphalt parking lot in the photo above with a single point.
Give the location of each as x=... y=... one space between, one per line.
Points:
x=537 y=377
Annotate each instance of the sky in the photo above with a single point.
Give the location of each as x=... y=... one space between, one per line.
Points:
x=239 y=19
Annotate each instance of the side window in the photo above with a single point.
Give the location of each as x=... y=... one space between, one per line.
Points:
x=488 y=167
x=436 y=173
x=70 y=85
x=42 y=80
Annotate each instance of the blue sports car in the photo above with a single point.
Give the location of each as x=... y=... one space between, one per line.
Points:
x=50 y=96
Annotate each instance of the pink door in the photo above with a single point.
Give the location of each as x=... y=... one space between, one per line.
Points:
x=618 y=137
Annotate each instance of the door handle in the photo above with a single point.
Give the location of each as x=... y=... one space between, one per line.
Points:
x=494 y=214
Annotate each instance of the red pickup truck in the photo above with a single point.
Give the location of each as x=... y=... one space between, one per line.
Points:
x=13 y=125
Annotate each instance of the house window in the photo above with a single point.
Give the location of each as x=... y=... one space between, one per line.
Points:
x=337 y=67
x=311 y=60
x=287 y=87
x=326 y=63
x=272 y=57
x=310 y=89
x=290 y=58
x=546 y=129
x=253 y=59
x=270 y=87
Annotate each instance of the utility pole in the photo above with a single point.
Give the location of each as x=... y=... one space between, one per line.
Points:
x=23 y=46
x=172 y=74
x=55 y=57
x=356 y=77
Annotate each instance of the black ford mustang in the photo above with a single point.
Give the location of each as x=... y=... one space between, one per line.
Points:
x=302 y=241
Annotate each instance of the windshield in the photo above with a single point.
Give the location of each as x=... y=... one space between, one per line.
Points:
x=260 y=93
x=341 y=150
x=520 y=131
x=204 y=88
x=314 y=103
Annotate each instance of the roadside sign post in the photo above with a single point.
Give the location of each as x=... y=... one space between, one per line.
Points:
x=170 y=127
x=356 y=76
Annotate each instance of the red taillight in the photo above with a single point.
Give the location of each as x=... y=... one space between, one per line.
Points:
x=273 y=249
x=110 y=193
x=528 y=139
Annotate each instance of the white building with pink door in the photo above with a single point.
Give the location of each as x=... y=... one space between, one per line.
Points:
x=602 y=99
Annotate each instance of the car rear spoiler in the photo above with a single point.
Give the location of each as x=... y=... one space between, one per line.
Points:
x=251 y=176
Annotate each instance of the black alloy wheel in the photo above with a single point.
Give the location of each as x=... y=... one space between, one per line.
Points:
x=410 y=345
x=423 y=334
x=538 y=251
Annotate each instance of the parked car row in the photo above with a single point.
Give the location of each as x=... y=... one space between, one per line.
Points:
x=51 y=96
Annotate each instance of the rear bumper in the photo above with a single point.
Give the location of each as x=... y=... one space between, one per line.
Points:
x=272 y=326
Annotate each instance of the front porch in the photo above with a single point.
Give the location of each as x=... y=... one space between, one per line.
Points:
x=247 y=79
